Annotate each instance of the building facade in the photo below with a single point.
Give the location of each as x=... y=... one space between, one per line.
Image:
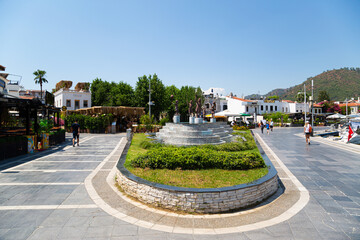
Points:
x=72 y=99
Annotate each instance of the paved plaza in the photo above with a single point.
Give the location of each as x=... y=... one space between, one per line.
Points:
x=68 y=193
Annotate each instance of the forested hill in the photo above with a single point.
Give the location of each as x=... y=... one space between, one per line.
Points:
x=339 y=83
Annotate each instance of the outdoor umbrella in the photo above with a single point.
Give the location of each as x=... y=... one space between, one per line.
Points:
x=337 y=115
x=354 y=115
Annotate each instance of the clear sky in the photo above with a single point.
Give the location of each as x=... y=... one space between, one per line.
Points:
x=243 y=46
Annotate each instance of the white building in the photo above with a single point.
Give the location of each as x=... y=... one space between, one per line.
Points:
x=72 y=99
x=260 y=107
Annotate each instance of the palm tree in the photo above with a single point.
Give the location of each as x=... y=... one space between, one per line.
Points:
x=40 y=79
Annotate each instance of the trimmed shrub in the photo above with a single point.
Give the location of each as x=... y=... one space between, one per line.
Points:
x=197 y=158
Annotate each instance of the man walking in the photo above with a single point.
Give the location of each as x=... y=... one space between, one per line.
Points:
x=75 y=130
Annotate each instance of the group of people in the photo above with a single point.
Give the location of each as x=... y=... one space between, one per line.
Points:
x=269 y=125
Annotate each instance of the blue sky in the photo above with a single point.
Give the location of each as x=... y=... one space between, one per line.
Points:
x=243 y=46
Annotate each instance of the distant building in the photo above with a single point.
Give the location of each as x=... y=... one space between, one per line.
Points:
x=72 y=99
x=30 y=94
x=9 y=87
x=215 y=95
x=354 y=107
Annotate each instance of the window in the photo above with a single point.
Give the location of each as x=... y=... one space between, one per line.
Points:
x=267 y=108
x=85 y=103
x=286 y=110
x=247 y=109
x=68 y=103
x=271 y=108
x=77 y=104
x=283 y=109
x=262 y=108
x=275 y=108
x=224 y=107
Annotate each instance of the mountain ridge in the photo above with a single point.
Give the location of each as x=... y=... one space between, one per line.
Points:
x=339 y=83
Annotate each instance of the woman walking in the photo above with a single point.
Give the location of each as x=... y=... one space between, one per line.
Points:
x=267 y=127
x=307 y=131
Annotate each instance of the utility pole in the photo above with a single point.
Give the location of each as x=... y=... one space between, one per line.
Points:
x=346 y=109
x=312 y=104
x=150 y=98
x=305 y=103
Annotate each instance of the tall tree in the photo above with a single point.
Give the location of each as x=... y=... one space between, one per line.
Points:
x=122 y=94
x=169 y=106
x=157 y=94
x=100 y=92
x=300 y=97
x=40 y=79
x=323 y=95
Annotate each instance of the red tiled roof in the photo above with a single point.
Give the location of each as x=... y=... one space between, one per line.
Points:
x=349 y=104
x=26 y=97
x=288 y=101
x=242 y=99
x=317 y=105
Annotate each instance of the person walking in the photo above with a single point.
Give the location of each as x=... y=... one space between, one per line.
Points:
x=262 y=127
x=267 y=127
x=271 y=125
x=75 y=130
x=307 y=131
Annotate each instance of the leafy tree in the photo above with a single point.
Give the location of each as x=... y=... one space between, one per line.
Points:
x=300 y=97
x=323 y=95
x=157 y=94
x=275 y=97
x=169 y=107
x=343 y=110
x=40 y=79
x=100 y=92
x=122 y=94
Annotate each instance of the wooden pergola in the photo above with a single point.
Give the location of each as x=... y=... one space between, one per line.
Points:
x=130 y=112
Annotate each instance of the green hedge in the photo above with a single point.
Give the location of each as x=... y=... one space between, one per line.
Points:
x=197 y=158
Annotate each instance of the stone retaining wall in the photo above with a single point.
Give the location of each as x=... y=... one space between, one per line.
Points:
x=200 y=200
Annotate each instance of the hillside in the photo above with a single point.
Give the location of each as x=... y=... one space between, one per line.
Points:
x=339 y=83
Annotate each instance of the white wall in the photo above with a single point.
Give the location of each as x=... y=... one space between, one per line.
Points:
x=62 y=95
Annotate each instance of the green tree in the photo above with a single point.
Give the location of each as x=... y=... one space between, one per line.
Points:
x=40 y=79
x=275 y=97
x=323 y=95
x=169 y=107
x=100 y=92
x=300 y=97
x=121 y=94
x=157 y=94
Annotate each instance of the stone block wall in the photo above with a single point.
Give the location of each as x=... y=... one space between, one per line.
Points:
x=202 y=200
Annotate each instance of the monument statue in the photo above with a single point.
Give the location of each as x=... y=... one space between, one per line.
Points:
x=176 y=107
x=203 y=111
x=213 y=108
x=198 y=108
x=190 y=108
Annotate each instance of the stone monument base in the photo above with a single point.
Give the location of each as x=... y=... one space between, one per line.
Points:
x=192 y=120
x=176 y=119
x=198 y=120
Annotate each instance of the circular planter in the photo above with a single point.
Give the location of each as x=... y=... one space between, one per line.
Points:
x=198 y=200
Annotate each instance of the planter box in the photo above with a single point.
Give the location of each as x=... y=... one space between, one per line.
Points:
x=13 y=146
x=57 y=138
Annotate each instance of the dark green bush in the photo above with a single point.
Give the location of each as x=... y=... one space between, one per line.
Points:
x=197 y=158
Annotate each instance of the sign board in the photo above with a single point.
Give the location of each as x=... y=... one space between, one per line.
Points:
x=2 y=83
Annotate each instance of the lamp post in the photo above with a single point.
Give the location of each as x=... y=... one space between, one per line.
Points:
x=150 y=98
x=312 y=104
